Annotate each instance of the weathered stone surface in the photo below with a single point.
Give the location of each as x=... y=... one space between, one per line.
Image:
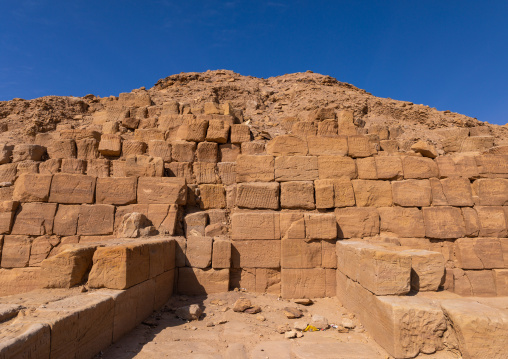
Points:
x=64 y=148
x=443 y=222
x=296 y=168
x=205 y=172
x=303 y=283
x=357 y=222
x=218 y=131
x=228 y=152
x=193 y=130
x=212 y=196
x=34 y=219
x=8 y=172
x=207 y=152
x=153 y=190
x=360 y=146
x=292 y=225
x=334 y=193
x=287 y=145
x=110 y=145
x=412 y=193
x=402 y=222
x=425 y=149
x=133 y=148
x=320 y=226
x=333 y=167
x=87 y=149
x=144 y=166
x=118 y=191
x=372 y=193
x=427 y=269
x=159 y=148
x=492 y=192
x=478 y=253
x=26 y=152
x=49 y=167
x=471 y=221
x=297 y=194
x=68 y=268
x=133 y=225
x=66 y=220
x=366 y=168
x=457 y=166
x=492 y=166
x=472 y=322
x=240 y=133
x=96 y=219
x=457 y=191
x=254 y=168
x=256 y=254
x=195 y=281
x=299 y=253
x=221 y=254
x=255 y=225
x=493 y=221
x=388 y=167
x=419 y=167
x=72 y=189
x=98 y=167
x=264 y=195
x=16 y=251
x=41 y=248
x=73 y=166
x=7 y=211
x=327 y=146
x=199 y=251
x=183 y=151
x=19 y=280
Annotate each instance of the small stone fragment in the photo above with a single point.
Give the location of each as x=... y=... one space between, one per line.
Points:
x=290 y=335
x=304 y=301
x=300 y=325
x=253 y=310
x=319 y=322
x=189 y=312
x=241 y=305
x=292 y=313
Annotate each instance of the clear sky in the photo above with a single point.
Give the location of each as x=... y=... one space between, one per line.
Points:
x=452 y=55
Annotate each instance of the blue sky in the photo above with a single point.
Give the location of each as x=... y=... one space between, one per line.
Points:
x=452 y=55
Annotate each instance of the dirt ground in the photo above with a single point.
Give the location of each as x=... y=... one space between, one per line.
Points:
x=222 y=333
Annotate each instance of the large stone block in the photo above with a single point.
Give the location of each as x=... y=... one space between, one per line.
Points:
x=492 y=192
x=427 y=270
x=98 y=167
x=267 y=281
x=287 y=145
x=120 y=266
x=212 y=196
x=333 y=167
x=471 y=221
x=133 y=148
x=199 y=251
x=228 y=152
x=25 y=340
x=388 y=167
x=254 y=168
x=473 y=323
x=493 y=221
x=218 y=131
x=31 y=187
x=240 y=133
x=66 y=220
x=87 y=149
x=402 y=222
x=299 y=253
x=34 y=219
x=193 y=130
x=334 y=193
x=227 y=172
x=72 y=189
x=41 y=248
x=419 y=167
x=256 y=254
x=183 y=151
x=443 y=222
x=19 y=280
x=360 y=146
x=7 y=211
x=296 y=168
x=478 y=253
x=8 y=172
x=195 y=281
x=264 y=195
x=457 y=191
x=221 y=254
x=457 y=166
x=110 y=145
x=94 y=220
x=16 y=251
x=205 y=172
x=372 y=193
x=163 y=190
x=28 y=152
x=366 y=168
x=320 y=226
x=118 y=191
x=357 y=222
x=412 y=193
x=207 y=152
x=255 y=225
x=64 y=148
x=297 y=194
x=327 y=146
x=492 y=166
x=303 y=283
x=159 y=148
x=144 y=166
x=68 y=268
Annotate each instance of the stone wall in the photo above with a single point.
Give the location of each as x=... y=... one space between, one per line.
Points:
x=254 y=213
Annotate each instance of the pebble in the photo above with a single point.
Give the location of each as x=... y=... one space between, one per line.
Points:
x=253 y=310
x=348 y=323
x=290 y=335
x=260 y=318
x=303 y=301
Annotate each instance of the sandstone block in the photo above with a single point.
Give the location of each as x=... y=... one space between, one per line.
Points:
x=183 y=151
x=255 y=225
x=471 y=221
x=492 y=192
x=419 y=167
x=72 y=188
x=98 y=168
x=194 y=130
x=357 y=222
x=240 y=133
x=493 y=221
x=303 y=283
x=333 y=167
x=320 y=226
x=334 y=193
x=412 y=193
x=227 y=172
x=372 y=193
x=256 y=147
x=64 y=148
x=492 y=166
x=147 y=134
x=68 y=268
x=195 y=223
x=50 y=166
x=207 y=152
x=297 y=194
x=199 y=251
x=477 y=143
x=360 y=146
x=212 y=196
x=87 y=148
x=292 y=225
x=163 y=190
x=264 y=195
x=73 y=166
x=501 y=279
x=19 y=280
x=329 y=255
x=25 y=340
x=26 y=152
x=427 y=270
x=253 y=168
x=256 y=254
x=133 y=148
x=27 y=167
x=32 y=188
x=425 y=149
x=110 y=145
x=296 y=168
x=205 y=172
x=267 y=281
x=144 y=166
x=218 y=131
x=366 y=168
x=221 y=254
x=228 y=152
x=41 y=248
x=287 y=145
x=195 y=281
x=16 y=251
x=402 y=222
x=327 y=146
x=118 y=191
x=94 y=220
x=159 y=148
x=34 y=219
x=478 y=253
x=180 y=169
x=120 y=266
x=299 y=253
x=66 y=220
x=457 y=166
x=7 y=211
x=8 y=172
x=457 y=191
x=443 y=222
x=328 y=128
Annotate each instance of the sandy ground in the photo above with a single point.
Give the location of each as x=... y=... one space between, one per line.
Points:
x=223 y=333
